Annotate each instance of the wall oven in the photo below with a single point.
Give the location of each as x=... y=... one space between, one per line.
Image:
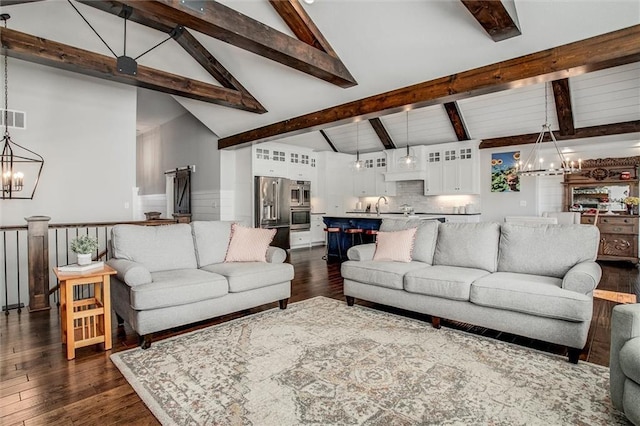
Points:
x=300 y=218
x=300 y=191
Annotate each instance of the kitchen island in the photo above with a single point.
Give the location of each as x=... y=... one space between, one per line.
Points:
x=365 y=221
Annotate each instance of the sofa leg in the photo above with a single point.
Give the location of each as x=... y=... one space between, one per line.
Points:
x=574 y=355
x=145 y=341
x=435 y=322
x=283 y=303
x=350 y=300
x=119 y=320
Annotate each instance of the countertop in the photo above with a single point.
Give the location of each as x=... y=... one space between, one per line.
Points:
x=361 y=215
x=439 y=214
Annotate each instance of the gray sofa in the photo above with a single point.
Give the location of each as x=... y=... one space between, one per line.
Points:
x=533 y=281
x=624 y=365
x=173 y=275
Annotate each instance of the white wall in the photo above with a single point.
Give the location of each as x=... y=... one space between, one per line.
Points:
x=183 y=141
x=84 y=128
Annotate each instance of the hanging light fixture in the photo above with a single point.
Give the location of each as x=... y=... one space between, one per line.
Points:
x=20 y=167
x=408 y=162
x=535 y=165
x=358 y=165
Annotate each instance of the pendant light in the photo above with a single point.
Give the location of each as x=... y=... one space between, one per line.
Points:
x=20 y=167
x=358 y=165
x=407 y=162
x=534 y=164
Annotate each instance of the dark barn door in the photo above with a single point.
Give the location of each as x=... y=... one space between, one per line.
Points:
x=182 y=191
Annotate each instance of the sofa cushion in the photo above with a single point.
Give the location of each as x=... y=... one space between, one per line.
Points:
x=158 y=248
x=468 y=245
x=395 y=246
x=450 y=282
x=211 y=240
x=629 y=359
x=380 y=273
x=244 y=276
x=249 y=244
x=426 y=235
x=177 y=287
x=547 y=249
x=531 y=294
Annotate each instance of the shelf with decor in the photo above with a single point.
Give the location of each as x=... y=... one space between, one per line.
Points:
x=604 y=184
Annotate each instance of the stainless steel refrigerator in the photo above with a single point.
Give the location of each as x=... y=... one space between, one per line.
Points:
x=272 y=207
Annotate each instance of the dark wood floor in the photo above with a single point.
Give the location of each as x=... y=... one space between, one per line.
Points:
x=39 y=386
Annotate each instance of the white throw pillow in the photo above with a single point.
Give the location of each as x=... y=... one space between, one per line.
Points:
x=249 y=244
x=395 y=246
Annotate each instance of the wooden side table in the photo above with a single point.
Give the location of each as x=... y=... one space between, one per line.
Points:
x=85 y=321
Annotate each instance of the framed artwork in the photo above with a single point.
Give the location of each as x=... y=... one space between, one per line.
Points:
x=503 y=172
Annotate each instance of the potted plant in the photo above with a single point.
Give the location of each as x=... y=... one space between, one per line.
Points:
x=84 y=246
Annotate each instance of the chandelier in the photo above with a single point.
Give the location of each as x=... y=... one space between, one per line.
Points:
x=18 y=164
x=407 y=162
x=535 y=164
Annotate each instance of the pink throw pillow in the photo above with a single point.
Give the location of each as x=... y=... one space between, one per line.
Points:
x=395 y=246
x=248 y=244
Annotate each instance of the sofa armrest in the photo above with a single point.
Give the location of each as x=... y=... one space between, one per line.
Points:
x=362 y=252
x=130 y=272
x=625 y=325
x=276 y=255
x=582 y=278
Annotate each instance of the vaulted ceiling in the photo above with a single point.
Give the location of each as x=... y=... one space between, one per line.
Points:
x=345 y=74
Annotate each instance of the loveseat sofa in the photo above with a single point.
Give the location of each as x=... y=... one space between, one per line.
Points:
x=624 y=365
x=533 y=281
x=173 y=275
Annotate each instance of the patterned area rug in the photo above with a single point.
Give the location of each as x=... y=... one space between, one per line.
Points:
x=320 y=362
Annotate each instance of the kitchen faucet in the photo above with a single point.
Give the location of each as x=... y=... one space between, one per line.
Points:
x=378 y=204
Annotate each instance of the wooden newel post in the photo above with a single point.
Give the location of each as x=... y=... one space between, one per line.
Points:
x=38 y=262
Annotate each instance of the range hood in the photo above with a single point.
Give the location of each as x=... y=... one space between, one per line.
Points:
x=405 y=175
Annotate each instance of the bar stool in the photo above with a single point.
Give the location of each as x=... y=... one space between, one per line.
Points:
x=332 y=231
x=353 y=232
x=371 y=233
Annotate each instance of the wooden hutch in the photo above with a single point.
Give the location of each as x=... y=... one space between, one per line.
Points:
x=603 y=184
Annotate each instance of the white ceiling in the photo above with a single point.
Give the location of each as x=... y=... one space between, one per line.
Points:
x=385 y=44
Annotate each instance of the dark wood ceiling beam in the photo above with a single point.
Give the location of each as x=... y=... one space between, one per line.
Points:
x=326 y=138
x=46 y=52
x=297 y=19
x=562 y=96
x=584 y=132
x=382 y=133
x=186 y=40
x=456 y=121
x=230 y=26
x=596 y=53
x=493 y=17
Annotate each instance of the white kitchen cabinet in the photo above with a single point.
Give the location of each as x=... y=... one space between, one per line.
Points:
x=453 y=168
x=433 y=185
x=299 y=239
x=317 y=229
x=302 y=165
x=364 y=180
x=269 y=160
x=339 y=183
x=370 y=182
